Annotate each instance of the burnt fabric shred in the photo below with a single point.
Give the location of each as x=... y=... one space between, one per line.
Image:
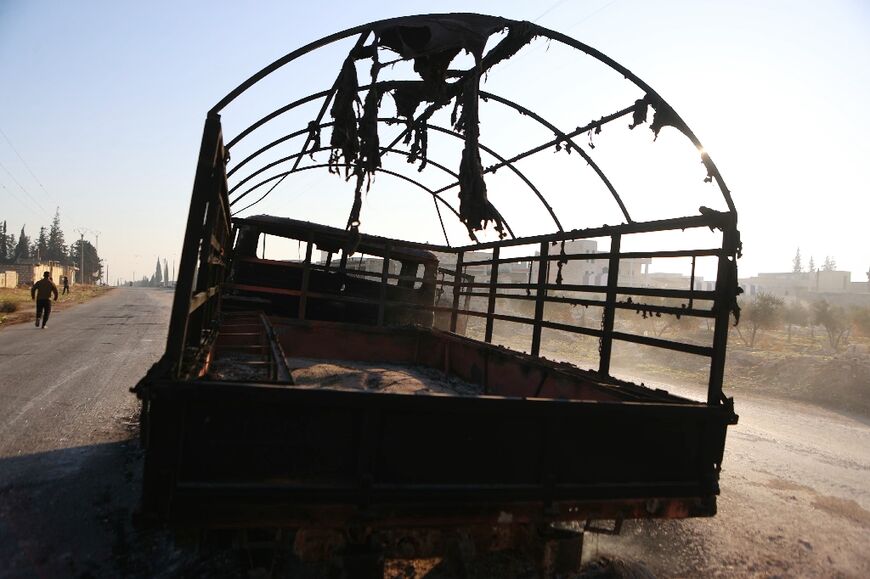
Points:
x=432 y=45
x=369 y=144
x=345 y=139
x=664 y=116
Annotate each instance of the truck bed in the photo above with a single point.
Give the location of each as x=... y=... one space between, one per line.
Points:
x=458 y=430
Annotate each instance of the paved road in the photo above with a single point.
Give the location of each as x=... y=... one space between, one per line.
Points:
x=67 y=420
x=795 y=485
x=67 y=385
x=795 y=501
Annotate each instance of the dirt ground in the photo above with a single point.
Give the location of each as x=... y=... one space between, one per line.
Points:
x=801 y=366
x=24 y=306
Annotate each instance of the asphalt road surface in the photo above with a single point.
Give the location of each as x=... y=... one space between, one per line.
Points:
x=795 y=484
x=68 y=462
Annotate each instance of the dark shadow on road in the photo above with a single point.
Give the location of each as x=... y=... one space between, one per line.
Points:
x=67 y=513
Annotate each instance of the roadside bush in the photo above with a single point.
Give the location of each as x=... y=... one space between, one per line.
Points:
x=764 y=312
x=833 y=318
x=7 y=307
x=861 y=320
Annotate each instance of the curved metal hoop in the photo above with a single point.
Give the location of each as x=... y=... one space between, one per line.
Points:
x=389 y=120
x=435 y=196
x=536 y=30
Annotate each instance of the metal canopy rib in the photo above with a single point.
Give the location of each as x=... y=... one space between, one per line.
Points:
x=536 y=30
x=437 y=128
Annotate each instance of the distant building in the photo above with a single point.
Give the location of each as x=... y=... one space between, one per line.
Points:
x=678 y=281
x=592 y=271
x=795 y=284
x=834 y=286
x=30 y=270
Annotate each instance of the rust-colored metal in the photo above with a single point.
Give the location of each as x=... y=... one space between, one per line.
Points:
x=542 y=442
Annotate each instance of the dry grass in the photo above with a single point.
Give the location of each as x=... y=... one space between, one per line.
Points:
x=23 y=307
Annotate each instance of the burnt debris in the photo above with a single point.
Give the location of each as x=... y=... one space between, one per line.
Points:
x=432 y=45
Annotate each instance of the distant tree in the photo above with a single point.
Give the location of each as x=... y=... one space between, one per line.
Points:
x=795 y=314
x=662 y=323
x=796 y=265
x=830 y=264
x=165 y=272
x=158 y=274
x=834 y=320
x=812 y=266
x=763 y=313
x=93 y=267
x=5 y=246
x=57 y=250
x=40 y=246
x=22 y=248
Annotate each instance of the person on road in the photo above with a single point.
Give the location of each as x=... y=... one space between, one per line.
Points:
x=41 y=292
x=65 y=285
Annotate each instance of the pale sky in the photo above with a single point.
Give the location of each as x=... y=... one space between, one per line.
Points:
x=104 y=102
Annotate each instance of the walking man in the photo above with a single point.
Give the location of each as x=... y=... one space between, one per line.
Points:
x=65 y=285
x=41 y=292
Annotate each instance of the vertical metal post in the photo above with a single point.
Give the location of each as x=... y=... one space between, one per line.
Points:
x=382 y=299
x=457 y=287
x=342 y=262
x=306 y=275
x=609 y=307
x=725 y=294
x=540 y=296
x=202 y=191
x=692 y=283
x=493 y=283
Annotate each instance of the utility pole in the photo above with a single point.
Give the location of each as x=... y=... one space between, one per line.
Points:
x=81 y=231
x=97 y=234
x=82 y=257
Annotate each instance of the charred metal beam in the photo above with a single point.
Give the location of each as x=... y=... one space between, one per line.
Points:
x=712 y=170
x=323 y=165
x=437 y=128
x=512 y=168
x=567 y=140
x=536 y=30
x=715 y=220
x=297 y=156
x=276 y=113
x=579 y=130
x=323 y=107
x=435 y=198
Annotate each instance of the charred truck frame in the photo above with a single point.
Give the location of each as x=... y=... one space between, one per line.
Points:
x=230 y=439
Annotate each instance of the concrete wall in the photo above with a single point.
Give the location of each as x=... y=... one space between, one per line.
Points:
x=8 y=279
x=788 y=284
x=31 y=272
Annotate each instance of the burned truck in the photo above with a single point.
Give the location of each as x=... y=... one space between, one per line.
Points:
x=379 y=388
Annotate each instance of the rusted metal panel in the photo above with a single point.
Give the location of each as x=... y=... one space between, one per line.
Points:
x=544 y=441
x=415 y=458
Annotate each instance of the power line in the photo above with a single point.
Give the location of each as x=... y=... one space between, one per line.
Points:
x=550 y=9
x=591 y=14
x=20 y=186
x=537 y=47
x=26 y=166
x=14 y=196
